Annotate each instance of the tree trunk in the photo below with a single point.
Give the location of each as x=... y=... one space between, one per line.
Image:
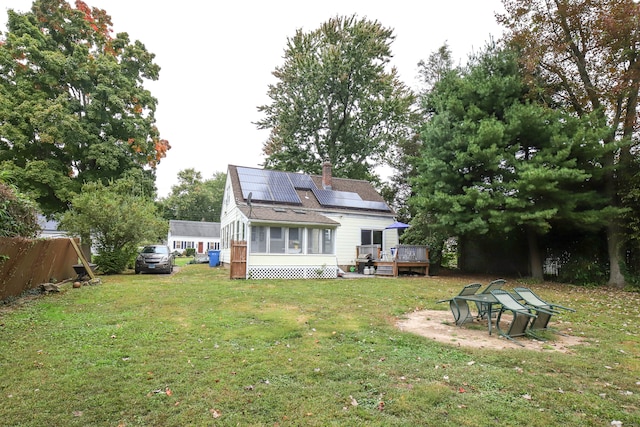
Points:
x=535 y=257
x=614 y=234
x=614 y=245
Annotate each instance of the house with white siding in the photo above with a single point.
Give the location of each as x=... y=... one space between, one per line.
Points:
x=199 y=235
x=294 y=225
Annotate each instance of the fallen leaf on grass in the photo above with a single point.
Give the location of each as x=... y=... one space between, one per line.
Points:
x=215 y=413
x=354 y=402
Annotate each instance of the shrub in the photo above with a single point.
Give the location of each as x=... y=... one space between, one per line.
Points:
x=115 y=261
x=583 y=271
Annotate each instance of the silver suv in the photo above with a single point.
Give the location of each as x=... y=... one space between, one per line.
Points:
x=155 y=258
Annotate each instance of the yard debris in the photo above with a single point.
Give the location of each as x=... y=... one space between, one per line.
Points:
x=166 y=391
x=86 y=281
x=49 y=287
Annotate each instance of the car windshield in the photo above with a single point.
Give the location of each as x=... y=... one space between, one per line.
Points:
x=155 y=250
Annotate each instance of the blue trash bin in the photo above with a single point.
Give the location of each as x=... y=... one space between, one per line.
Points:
x=214 y=258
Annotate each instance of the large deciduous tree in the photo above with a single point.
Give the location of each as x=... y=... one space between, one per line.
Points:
x=493 y=162
x=585 y=55
x=336 y=99
x=18 y=214
x=195 y=199
x=73 y=107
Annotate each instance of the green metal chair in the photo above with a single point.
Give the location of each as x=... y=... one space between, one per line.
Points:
x=459 y=308
x=544 y=309
x=521 y=315
x=483 y=308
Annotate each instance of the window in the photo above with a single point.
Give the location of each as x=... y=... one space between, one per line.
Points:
x=320 y=241
x=294 y=241
x=177 y=244
x=327 y=241
x=371 y=237
x=276 y=240
x=280 y=240
x=259 y=240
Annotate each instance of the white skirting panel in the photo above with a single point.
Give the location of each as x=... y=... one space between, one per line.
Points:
x=293 y=272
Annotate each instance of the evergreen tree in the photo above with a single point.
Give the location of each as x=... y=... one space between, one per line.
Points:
x=492 y=161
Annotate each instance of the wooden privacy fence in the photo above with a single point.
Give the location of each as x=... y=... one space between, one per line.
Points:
x=27 y=263
x=238 y=268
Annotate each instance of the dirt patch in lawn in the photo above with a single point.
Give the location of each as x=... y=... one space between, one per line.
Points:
x=439 y=326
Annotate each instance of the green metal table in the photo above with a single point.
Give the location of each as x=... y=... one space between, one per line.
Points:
x=461 y=302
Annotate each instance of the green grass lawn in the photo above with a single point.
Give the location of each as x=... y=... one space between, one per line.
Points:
x=197 y=349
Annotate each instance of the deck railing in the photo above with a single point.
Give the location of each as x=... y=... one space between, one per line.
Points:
x=412 y=253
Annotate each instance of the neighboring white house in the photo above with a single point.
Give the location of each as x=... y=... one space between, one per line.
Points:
x=49 y=229
x=199 y=235
x=297 y=225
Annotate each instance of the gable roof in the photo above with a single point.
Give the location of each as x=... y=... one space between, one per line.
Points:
x=296 y=191
x=277 y=187
x=194 y=228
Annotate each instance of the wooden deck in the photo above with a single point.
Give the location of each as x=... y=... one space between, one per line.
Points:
x=409 y=259
x=395 y=268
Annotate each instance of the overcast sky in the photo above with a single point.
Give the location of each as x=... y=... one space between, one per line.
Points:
x=216 y=61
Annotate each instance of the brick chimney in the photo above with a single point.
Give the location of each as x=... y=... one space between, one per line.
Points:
x=326 y=175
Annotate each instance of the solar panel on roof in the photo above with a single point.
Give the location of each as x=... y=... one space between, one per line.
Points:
x=378 y=206
x=267 y=186
x=335 y=198
x=347 y=199
x=301 y=181
x=276 y=186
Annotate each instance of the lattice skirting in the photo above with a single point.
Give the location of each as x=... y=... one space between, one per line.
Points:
x=297 y=272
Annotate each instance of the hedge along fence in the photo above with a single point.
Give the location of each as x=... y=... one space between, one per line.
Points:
x=27 y=263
